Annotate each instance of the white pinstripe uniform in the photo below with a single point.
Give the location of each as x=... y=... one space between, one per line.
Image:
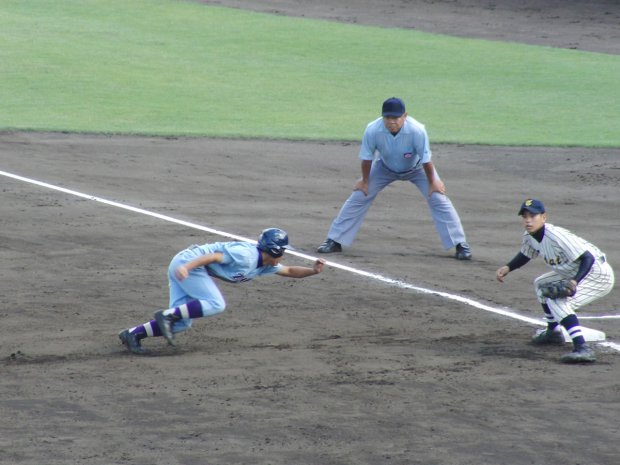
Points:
x=561 y=249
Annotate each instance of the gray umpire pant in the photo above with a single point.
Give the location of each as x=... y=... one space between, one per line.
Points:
x=345 y=226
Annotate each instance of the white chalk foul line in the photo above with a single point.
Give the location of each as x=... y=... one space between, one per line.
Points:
x=422 y=290
x=611 y=345
x=394 y=282
x=599 y=317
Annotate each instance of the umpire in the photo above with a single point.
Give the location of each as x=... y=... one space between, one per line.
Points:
x=395 y=148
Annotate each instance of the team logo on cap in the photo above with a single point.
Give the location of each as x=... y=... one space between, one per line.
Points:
x=528 y=202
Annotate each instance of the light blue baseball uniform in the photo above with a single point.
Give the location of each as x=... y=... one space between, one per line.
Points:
x=242 y=261
x=396 y=158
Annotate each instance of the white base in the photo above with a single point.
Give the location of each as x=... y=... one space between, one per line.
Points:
x=589 y=334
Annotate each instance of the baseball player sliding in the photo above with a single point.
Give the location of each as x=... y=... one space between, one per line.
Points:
x=193 y=292
x=580 y=275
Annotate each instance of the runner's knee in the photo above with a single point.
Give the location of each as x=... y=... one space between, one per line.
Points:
x=213 y=305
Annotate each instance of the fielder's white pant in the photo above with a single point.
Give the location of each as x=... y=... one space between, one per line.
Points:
x=597 y=283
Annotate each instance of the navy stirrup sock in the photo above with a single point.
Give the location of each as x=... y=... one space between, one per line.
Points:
x=571 y=323
x=150 y=329
x=192 y=309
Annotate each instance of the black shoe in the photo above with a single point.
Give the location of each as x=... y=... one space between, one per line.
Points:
x=547 y=337
x=329 y=246
x=580 y=354
x=132 y=342
x=463 y=251
x=165 y=326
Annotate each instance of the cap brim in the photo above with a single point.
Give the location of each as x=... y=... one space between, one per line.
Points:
x=525 y=209
x=391 y=113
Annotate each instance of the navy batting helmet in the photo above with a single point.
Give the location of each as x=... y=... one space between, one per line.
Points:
x=273 y=241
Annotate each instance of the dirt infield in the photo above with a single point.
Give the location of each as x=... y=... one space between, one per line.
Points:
x=592 y=25
x=335 y=369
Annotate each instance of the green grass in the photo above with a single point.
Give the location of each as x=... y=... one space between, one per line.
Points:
x=181 y=68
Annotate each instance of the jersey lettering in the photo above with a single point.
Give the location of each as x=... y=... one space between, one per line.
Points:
x=239 y=278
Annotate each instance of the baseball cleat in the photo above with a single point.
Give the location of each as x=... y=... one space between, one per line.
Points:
x=329 y=246
x=581 y=354
x=463 y=251
x=132 y=342
x=165 y=326
x=547 y=337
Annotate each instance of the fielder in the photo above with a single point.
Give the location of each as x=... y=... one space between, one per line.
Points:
x=193 y=292
x=395 y=148
x=580 y=275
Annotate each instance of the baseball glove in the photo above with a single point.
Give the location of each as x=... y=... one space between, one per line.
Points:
x=559 y=289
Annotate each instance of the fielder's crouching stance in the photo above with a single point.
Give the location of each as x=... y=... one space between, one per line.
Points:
x=193 y=292
x=580 y=275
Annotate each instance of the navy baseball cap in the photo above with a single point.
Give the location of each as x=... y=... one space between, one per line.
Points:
x=393 y=107
x=533 y=206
